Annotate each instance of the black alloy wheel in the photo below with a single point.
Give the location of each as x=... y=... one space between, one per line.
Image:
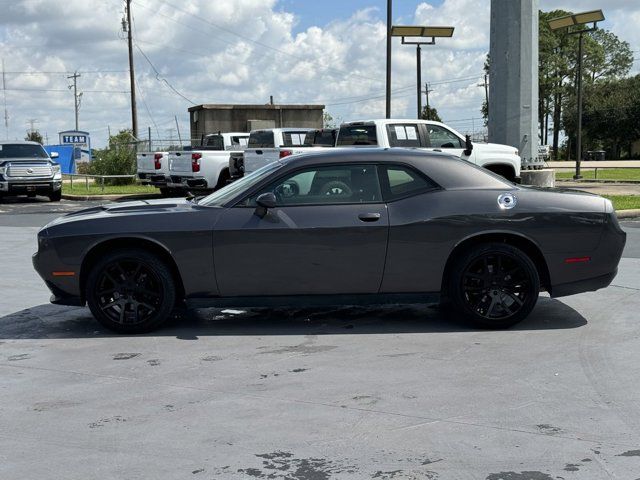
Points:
x=494 y=286
x=130 y=291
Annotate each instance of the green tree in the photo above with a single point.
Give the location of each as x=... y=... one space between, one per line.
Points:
x=328 y=121
x=611 y=116
x=118 y=158
x=430 y=113
x=34 y=136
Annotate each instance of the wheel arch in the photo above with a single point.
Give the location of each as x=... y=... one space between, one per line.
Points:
x=505 y=170
x=122 y=243
x=528 y=246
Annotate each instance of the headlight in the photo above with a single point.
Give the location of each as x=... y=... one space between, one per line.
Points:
x=55 y=168
x=3 y=170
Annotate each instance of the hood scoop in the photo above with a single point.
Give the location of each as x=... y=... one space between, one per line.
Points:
x=139 y=206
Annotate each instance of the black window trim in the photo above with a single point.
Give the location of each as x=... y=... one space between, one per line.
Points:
x=295 y=171
x=388 y=197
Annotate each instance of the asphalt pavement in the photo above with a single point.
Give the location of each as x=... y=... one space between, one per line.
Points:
x=349 y=393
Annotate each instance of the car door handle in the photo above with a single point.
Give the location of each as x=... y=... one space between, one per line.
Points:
x=437 y=150
x=259 y=152
x=369 y=217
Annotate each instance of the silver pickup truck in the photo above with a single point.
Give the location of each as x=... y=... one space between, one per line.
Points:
x=27 y=169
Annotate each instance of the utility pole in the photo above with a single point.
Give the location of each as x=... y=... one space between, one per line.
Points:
x=76 y=98
x=388 y=92
x=485 y=84
x=178 y=128
x=4 y=93
x=427 y=91
x=132 y=78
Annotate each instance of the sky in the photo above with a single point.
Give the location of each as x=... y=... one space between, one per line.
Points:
x=242 y=51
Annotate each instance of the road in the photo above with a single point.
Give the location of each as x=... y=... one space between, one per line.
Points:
x=348 y=393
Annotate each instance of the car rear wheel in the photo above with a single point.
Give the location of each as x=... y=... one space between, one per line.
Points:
x=130 y=291
x=494 y=286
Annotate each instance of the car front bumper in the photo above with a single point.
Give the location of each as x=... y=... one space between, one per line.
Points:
x=25 y=187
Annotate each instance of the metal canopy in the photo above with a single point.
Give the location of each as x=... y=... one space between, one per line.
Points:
x=592 y=16
x=417 y=31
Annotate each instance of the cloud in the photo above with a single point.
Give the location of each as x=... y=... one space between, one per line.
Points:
x=231 y=51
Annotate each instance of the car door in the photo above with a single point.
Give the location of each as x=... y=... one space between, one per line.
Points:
x=442 y=139
x=327 y=235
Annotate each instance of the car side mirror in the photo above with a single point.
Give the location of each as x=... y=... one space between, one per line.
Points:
x=265 y=201
x=468 y=146
x=54 y=155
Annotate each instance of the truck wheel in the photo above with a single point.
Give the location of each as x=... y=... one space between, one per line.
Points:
x=55 y=196
x=165 y=192
x=130 y=291
x=224 y=178
x=494 y=285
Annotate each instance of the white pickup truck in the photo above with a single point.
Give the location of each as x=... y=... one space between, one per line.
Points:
x=434 y=136
x=289 y=141
x=153 y=169
x=205 y=167
x=266 y=146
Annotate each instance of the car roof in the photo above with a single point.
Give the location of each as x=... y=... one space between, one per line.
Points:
x=449 y=171
x=287 y=129
x=18 y=142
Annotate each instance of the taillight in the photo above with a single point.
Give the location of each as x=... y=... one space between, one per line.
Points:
x=285 y=153
x=195 y=162
x=157 y=161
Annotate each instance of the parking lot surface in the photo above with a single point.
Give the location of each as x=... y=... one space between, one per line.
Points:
x=347 y=393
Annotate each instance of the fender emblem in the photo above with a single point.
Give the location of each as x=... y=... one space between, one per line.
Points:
x=507 y=201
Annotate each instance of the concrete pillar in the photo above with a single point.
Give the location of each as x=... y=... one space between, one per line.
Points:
x=513 y=88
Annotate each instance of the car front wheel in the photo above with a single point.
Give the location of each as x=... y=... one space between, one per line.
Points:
x=130 y=291
x=494 y=285
x=55 y=196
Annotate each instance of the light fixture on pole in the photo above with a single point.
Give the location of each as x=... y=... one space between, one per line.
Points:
x=578 y=20
x=420 y=33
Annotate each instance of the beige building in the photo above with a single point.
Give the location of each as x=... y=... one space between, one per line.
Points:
x=212 y=118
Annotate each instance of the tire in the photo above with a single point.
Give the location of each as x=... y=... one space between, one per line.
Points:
x=493 y=286
x=130 y=291
x=165 y=192
x=55 y=196
x=223 y=179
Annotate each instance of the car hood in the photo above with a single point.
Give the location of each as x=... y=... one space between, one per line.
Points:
x=495 y=148
x=132 y=208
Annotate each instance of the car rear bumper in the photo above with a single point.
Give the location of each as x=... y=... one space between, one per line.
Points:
x=586 y=285
x=157 y=180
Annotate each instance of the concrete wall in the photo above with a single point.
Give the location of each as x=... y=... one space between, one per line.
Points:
x=513 y=88
x=208 y=118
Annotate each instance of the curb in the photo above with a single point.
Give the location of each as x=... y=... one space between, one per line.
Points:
x=597 y=180
x=112 y=198
x=631 y=213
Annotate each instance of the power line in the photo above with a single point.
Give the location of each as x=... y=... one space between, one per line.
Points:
x=160 y=78
x=62 y=90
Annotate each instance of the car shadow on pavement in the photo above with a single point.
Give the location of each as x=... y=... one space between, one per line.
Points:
x=54 y=321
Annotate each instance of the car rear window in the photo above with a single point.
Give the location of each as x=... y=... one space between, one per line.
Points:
x=215 y=142
x=322 y=138
x=400 y=181
x=261 y=139
x=18 y=150
x=357 y=135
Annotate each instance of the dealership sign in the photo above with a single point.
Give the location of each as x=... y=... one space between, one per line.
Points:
x=81 y=141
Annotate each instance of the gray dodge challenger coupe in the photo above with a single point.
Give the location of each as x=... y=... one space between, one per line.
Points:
x=341 y=227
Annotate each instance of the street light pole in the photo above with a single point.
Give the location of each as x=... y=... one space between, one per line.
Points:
x=579 y=99
x=388 y=93
x=419 y=77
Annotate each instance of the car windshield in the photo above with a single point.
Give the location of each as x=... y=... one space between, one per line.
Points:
x=222 y=196
x=22 y=150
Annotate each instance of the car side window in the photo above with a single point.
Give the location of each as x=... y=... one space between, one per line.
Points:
x=399 y=181
x=325 y=186
x=440 y=137
x=403 y=135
